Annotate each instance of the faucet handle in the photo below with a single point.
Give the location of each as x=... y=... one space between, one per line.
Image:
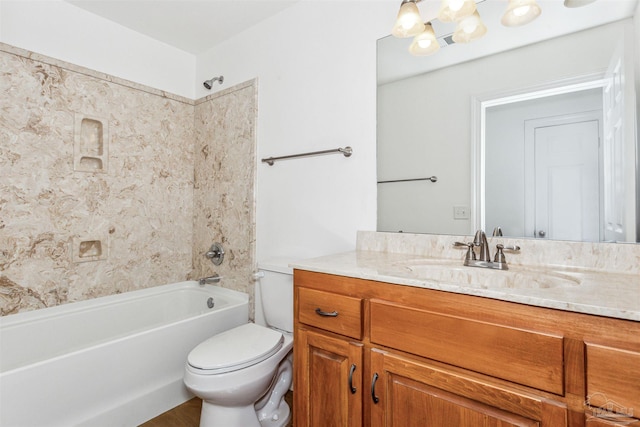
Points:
x=500 y=254
x=215 y=254
x=471 y=255
x=514 y=248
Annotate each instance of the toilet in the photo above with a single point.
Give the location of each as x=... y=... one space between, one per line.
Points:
x=243 y=374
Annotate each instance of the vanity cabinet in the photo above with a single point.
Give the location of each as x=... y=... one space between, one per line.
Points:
x=330 y=366
x=329 y=381
x=375 y=354
x=417 y=392
x=612 y=382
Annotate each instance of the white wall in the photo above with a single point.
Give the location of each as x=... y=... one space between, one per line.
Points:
x=316 y=69
x=63 y=31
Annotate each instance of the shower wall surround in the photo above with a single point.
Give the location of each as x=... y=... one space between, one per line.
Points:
x=224 y=202
x=97 y=183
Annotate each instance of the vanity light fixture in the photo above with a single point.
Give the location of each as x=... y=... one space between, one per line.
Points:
x=425 y=43
x=520 y=12
x=577 y=3
x=469 y=28
x=453 y=10
x=408 y=23
x=464 y=13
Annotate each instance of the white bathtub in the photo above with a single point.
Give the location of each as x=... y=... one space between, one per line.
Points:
x=111 y=361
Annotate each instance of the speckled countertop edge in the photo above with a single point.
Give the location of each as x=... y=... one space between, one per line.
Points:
x=606 y=294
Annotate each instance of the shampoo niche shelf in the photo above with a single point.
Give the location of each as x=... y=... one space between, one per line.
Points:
x=87 y=249
x=91 y=144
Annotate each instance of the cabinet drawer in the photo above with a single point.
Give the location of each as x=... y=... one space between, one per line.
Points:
x=525 y=357
x=333 y=312
x=613 y=380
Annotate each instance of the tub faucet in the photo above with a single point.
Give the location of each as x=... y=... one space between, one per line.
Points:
x=210 y=280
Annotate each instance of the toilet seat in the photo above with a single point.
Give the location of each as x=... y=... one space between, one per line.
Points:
x=235 y=349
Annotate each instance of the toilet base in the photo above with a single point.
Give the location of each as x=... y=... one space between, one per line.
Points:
x=280 y=417
x=272 y=408
x=270 y=411
x=213 y=415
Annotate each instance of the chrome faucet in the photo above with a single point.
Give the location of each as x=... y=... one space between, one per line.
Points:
x=210 y=280
x=483 y=259
x=480 y=240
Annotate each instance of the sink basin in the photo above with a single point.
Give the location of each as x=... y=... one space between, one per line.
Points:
x=453 y=272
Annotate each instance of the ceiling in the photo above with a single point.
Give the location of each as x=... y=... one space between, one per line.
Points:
x=193 y=26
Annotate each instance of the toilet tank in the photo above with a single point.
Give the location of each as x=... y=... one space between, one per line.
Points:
x=274 y=294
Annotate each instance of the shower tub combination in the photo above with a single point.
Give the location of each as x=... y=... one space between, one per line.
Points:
x=110 y=361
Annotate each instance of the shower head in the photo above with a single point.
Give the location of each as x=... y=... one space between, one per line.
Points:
x=209 y=83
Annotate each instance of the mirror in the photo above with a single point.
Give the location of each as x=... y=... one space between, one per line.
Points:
x=492 y=133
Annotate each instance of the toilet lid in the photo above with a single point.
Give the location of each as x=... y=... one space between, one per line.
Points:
x=235 y=349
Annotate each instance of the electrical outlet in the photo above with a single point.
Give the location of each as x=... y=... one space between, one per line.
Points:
x=460 y=212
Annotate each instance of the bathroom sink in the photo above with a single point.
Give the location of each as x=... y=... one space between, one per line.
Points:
x=453 y=272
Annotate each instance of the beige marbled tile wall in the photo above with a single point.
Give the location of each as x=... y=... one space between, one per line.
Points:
x=224 y=201
x=176 y=175
x=139 y=206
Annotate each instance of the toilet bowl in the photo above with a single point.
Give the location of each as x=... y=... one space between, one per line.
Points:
x=243 y=374
x=232 y=381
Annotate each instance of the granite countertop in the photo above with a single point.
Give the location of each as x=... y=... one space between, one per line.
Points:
x=565 y=288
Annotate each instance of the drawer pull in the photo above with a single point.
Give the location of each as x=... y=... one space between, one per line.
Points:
x=326 y=313
x=351 y=387
x=373 y=388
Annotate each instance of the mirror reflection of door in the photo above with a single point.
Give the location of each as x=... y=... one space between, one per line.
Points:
x=562 y=181
x=510 y=157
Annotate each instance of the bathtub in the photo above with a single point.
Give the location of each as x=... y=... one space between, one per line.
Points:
x=110 y=361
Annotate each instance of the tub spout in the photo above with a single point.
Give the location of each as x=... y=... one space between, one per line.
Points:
x=210 y=280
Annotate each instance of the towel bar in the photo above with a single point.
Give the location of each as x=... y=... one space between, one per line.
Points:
x=347 y=151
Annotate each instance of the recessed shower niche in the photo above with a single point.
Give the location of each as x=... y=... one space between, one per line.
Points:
x=91 y=144
x=89 y=249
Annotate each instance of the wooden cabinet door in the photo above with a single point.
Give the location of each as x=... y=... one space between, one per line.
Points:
x=328 y=381
x=613 y=382
x=414 y=393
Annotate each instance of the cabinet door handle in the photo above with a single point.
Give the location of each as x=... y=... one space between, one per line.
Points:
x=351 y=387
x=373 y=388
x=326 y=313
